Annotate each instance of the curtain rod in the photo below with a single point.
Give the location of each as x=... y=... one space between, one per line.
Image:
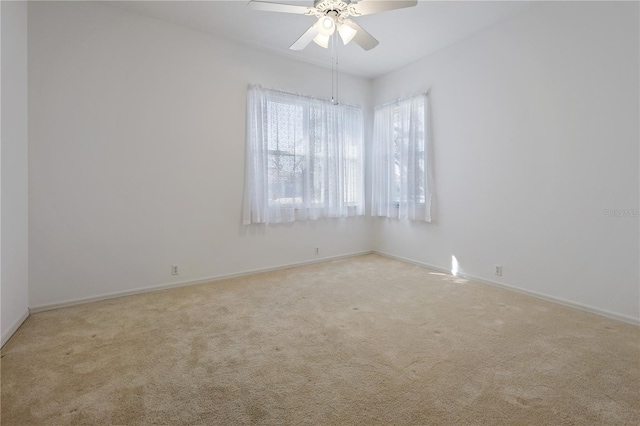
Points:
x=301 y=95
x=404 y=98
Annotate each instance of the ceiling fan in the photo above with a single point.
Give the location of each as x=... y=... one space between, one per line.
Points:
x=334 y=15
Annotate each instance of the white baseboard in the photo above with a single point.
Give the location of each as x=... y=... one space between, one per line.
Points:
x=14 y=327
x=73 y=302
x=558 y=300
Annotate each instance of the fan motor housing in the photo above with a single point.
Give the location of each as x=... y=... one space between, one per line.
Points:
x=329 y=5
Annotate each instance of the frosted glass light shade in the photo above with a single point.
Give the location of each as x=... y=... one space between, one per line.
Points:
x=327 y=25
x=322 y=40
x=346 y=33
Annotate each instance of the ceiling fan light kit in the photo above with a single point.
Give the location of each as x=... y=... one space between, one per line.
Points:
x=347 y=32
x=322 y=40
x=334 y=14
x=328 y=23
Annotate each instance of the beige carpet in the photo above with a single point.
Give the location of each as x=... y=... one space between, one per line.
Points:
x=361 y=341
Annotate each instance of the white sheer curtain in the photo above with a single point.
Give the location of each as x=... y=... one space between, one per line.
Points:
x=401 y=176
x=303 y=158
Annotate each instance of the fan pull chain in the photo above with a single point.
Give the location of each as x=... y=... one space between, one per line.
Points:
x=334 y=70
x=337 y=74
x=333 y=53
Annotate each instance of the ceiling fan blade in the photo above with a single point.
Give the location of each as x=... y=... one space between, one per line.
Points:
x=367 y=7
x=279 y=7
x=305 y=38
x=362 y=38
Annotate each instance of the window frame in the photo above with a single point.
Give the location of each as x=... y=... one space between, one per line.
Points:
x=401 y=170
x=326 y=176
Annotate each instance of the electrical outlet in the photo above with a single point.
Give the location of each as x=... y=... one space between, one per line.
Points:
x=317 y=250
x=174 y=270
x=498 y=270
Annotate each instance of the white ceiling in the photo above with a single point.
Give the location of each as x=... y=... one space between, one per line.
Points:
x=405 y=35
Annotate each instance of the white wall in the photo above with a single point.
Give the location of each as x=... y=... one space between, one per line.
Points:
x=535 y=136
x=137 y=143
x=137 y=155
x=14 y=238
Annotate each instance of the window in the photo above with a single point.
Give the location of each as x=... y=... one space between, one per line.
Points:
x=303 y=158
x=401 y=177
